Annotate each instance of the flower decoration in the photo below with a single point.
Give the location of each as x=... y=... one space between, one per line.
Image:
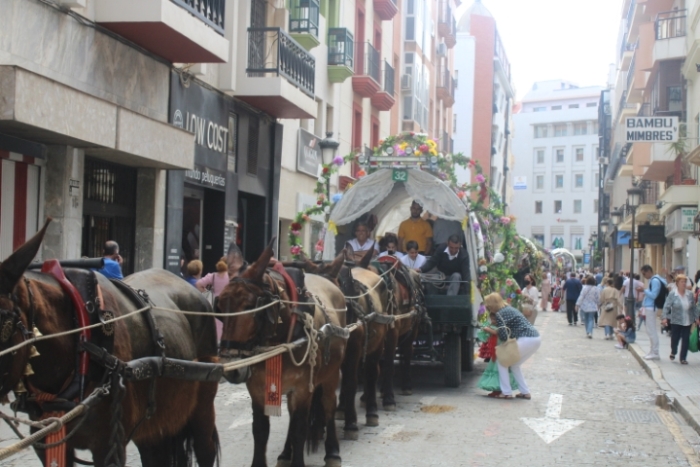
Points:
x=338 y=160
x=336 y=197
x=480 y=178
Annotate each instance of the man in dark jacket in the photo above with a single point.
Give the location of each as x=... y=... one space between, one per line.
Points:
x=572 y=287
x=451 y=260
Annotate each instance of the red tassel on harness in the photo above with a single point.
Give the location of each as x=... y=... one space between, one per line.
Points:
x=273 y=386
x=56 y=455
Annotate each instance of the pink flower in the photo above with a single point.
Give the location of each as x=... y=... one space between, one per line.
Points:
x=480 y=178
x=338 y=160
x=461 y=194
x=509 y=282
x=296 y=232
x=505 y=220
x=295 y=250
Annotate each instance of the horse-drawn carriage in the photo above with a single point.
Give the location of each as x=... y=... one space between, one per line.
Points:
x=446 y=331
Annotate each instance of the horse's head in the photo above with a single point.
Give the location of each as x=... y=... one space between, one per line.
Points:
x=328 y=270
x=252 y=289
x=16 y=311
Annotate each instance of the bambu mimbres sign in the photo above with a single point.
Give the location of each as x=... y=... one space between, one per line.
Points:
x=651 y=129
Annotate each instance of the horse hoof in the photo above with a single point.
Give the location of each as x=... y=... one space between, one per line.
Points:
x=352 y=435
x=339 y=415
x=372 y=420
x=390 y=408
x=284 y=463
x=333 y=462
x=406 y=392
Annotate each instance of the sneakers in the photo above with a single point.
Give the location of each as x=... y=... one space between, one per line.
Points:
x=590 y=336
x=619 y=346
x=651 y=357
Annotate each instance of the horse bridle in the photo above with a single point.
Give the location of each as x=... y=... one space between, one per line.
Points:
x=267 y=322
x=10 y=323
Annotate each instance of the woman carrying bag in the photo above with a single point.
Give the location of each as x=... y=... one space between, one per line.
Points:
x=609 y=308
x=518 y=335
x=680 y=311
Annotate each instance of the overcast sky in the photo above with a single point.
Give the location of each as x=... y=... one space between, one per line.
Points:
x=556 y=39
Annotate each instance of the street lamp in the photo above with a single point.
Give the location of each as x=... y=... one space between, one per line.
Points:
x=634 y=196
x=615 y=218
x=603 y=232
x=328 y=147
x=592 y=242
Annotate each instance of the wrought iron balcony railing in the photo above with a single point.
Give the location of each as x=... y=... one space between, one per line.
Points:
x=388 y=79
x=303 y=17
x=670 y=24
x=341 y=47
x=367 y=61
x=630 y=72
x=211 y=12
x=273 y=51
x=447 y=82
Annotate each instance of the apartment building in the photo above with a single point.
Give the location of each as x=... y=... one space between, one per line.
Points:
x=555 y=178
x=655 y=76
x=484 y=98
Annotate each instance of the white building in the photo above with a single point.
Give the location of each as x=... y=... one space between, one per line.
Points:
x=556 y=165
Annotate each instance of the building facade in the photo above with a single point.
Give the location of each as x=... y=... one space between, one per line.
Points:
x=655 y=78
x=555 y=177
x=484 y=97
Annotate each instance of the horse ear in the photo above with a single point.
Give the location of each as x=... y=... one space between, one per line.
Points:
x=337 y=265
x=234 y=260
x=364 y=263
x=349 y=253
x=12 y=269
x=257 y=269
x=310 y=267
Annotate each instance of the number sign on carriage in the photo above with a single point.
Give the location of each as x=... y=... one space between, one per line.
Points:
x=399 y=175
x=651 y=129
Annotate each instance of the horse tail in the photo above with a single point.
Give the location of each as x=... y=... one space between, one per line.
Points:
x=317 y=421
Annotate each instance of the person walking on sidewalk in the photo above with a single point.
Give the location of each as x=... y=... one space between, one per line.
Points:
x=657 y=286
x=609 y=308
x=588 y=303
x=572 y=289
x=546 y=291
x=680 y=311
x=512 y=324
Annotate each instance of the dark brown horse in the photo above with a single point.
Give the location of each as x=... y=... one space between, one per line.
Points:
x=311 y=409
x=184 y=410
x=366 y=344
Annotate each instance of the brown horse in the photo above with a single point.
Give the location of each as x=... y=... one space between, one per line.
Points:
x=366 y=344
x=184 y=410
x=311 y=410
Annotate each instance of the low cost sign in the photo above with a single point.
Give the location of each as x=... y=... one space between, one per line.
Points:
x=651 y=129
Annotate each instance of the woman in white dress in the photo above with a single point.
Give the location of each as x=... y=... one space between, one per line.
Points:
x=361 y=242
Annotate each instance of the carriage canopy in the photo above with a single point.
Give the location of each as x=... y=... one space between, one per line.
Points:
x=380 y=192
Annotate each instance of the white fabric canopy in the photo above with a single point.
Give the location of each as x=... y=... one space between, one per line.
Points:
x=379 y=194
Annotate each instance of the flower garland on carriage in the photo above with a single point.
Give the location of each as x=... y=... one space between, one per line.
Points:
x=502 y=249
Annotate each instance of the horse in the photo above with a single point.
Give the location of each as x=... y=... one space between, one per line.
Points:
x=405 y=296
x=366 y=345
x=182 y=421
x=311 y=408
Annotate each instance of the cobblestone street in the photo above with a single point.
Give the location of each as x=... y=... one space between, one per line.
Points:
x=607 y=405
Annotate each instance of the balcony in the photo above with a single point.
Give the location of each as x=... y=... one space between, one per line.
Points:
x=447 y=25
x=280 y=77
x=446 y=88
x=676 y=196
x=182 y=31
x=367 y=72
x=625 y=109
x=670 y=30
x=341 y=53
x=627 y=52
x=303 y=22
x=384 y=99
x=386 y=9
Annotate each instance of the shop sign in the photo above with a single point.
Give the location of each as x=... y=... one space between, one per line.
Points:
x=206 y=176
x=308 y=153
x=586 y=258
x=680 y=221
x=205 y=114
x=651 y=129
x=520 y=182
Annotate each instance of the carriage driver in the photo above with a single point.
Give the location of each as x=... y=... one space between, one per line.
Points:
x=451 y=260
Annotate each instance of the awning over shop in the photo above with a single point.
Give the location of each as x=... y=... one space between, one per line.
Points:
x=659 y=171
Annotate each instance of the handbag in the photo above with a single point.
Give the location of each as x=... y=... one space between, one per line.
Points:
x=610 y=306
x=507 y=353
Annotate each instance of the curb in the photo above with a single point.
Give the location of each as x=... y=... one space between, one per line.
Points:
x=667 y=397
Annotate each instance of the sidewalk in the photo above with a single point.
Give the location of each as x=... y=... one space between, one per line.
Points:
x=680 y=383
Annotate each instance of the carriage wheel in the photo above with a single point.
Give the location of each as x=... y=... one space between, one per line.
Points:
x=453 y=360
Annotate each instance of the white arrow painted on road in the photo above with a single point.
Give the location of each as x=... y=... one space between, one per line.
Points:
x=551 y=427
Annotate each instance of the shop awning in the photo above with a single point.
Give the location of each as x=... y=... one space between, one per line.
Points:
x=659 y=171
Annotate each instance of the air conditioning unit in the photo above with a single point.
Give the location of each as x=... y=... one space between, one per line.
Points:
x=406 y=82
x=441 y=49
